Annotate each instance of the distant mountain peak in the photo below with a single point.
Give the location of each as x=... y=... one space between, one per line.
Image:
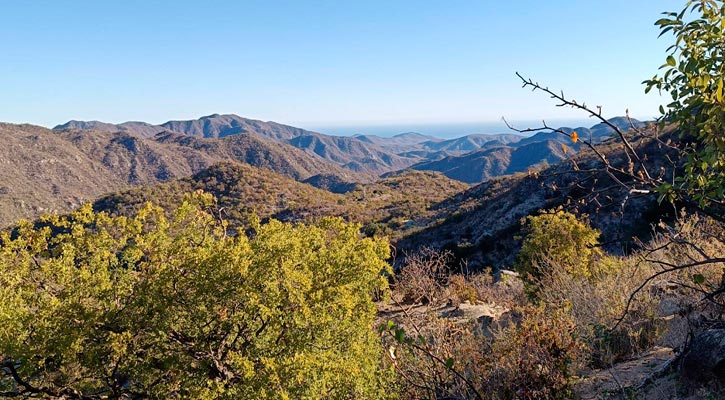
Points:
x=90 y=126
x=410 y=134
x=413 y=136
x=220 y=125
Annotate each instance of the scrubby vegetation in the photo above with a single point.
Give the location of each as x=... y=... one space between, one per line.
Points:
x=563 y=237
x=97 y=306
x=391 y=207
x=577 y=309
x=196 y=289
x=482 y=338
x=148 y=307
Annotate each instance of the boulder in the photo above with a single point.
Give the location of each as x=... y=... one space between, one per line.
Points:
x=705 y=359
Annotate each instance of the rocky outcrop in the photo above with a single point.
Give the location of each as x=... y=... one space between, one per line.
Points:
x=705 y=360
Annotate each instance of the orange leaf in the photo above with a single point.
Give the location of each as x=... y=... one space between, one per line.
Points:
x=574 y=137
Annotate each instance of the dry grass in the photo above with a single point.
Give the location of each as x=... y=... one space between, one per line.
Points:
x=575 y=324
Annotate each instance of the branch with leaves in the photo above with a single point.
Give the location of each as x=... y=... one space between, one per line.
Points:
x=633 y=175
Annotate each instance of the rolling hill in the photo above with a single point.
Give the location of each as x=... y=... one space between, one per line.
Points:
x=395 y=205
x=483 y=224
x=56 y=171
x=480 y=223
x=485 y=163
x=347 y=152
x=142 y=129
x=217 y=125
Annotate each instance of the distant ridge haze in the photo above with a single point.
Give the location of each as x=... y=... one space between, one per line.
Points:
x=440 y=130
x=443 y=130
x=59 y=169
x=365 y=154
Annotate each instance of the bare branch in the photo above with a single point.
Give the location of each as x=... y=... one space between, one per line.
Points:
x=669 y=268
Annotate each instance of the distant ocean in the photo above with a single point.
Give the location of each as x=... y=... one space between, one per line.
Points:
x=443 y=130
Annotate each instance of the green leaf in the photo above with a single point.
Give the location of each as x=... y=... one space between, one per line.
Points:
x=671 y=61
x=219 y=263
x=669 y=28
x=400 y=335
x=698 y=278
x=449 y=363
x=663 y=21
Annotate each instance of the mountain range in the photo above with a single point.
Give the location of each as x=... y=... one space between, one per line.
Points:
x=396 y=204
x=472 y=158
x=79 y=161
x=56 y=171
x=480 y=224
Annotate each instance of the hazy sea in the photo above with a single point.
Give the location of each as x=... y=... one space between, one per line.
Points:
x=444 y=130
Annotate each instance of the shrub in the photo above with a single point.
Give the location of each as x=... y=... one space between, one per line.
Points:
x=533 y=360
x=563 y=269
x=433 y=357
x=93 y=306
x=460 y=290
x=561 y=236
x=376 y=229
x=536 y=359
x=507 y=292
x=421 y=278
x=596 y=305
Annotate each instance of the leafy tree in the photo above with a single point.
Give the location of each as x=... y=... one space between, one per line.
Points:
x=93 y=306
x=693 y=74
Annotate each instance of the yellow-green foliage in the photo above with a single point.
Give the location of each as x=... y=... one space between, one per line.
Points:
x=562 y=237
x=175 y=308
x=694 y=76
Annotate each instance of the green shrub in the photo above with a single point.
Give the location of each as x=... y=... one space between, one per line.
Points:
x=152 y=307
x=559 y=236
x=460 y=290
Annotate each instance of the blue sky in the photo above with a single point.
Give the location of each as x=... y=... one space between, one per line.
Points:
x=324 y=63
